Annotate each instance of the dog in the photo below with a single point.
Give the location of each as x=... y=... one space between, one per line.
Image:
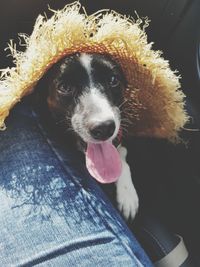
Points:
x=85 y=92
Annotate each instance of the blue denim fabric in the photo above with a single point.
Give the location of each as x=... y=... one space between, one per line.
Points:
x=52 y=213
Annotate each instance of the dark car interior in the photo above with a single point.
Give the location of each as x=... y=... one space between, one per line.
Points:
x=167 y=176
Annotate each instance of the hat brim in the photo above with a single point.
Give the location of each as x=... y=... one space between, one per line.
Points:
x=154 y=103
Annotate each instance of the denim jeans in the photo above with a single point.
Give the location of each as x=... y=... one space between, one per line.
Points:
x=52 y=212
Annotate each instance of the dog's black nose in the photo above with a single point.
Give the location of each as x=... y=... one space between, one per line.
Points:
x=103 y=130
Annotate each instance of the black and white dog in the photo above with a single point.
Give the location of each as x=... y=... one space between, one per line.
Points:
x=85 y=91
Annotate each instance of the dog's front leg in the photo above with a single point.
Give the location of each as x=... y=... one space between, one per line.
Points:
x=126 y=195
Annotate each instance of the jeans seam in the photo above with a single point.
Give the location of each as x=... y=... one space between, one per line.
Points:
x=50 y=145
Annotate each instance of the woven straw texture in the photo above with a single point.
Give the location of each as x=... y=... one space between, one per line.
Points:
x=153 y=106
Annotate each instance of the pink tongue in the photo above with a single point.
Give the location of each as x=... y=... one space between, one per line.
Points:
x=103 y=162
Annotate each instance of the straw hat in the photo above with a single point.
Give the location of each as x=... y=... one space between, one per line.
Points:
x=154 y=105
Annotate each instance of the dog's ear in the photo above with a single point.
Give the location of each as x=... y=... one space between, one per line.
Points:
x=41 y=90
x=41 y=93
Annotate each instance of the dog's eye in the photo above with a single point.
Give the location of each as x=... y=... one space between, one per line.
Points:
x=114 y=81
x=62 y=90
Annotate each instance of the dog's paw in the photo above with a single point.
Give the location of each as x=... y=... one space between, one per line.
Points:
x=127 y=200
x=126 y=195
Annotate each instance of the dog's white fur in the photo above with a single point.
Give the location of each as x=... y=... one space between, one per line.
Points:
x=85 y=60
x=96 y=108
x=127 y=198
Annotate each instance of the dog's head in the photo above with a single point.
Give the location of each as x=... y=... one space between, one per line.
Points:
x=85 y=90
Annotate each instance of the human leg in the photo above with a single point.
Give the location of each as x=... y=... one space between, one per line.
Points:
x=52 y=212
